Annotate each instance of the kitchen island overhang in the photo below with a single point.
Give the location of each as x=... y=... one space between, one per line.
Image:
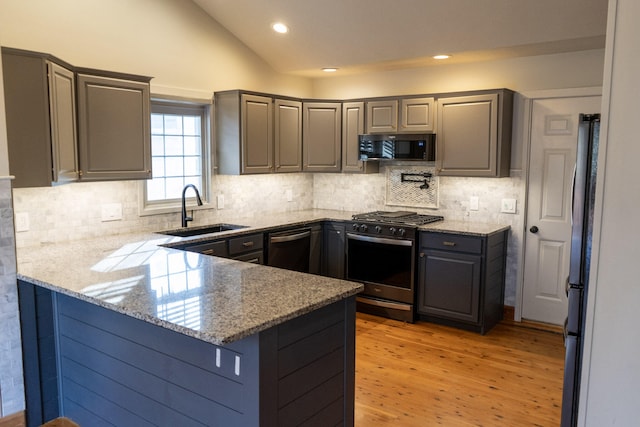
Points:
x=132 y=333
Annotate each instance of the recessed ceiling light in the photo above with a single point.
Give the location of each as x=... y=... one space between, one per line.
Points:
x=279 y=27
x=441 y=57
x=329 y=69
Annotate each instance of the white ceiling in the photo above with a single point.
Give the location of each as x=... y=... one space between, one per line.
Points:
x=369 y=35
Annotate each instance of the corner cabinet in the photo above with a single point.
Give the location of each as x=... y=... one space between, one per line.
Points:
x=114 y=119
x=400 y=115
x=40 y=104
x=474 y=134
x=257 y=133
x=461 y=279
x=321 y=136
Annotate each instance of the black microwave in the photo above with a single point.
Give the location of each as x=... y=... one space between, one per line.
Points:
x=398 y=147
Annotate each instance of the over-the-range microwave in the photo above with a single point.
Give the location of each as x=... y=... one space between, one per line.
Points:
x=398 y=146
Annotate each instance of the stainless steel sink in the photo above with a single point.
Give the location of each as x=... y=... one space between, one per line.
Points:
x=206 y=229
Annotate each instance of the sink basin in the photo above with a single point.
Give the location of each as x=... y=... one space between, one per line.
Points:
x=206 y=229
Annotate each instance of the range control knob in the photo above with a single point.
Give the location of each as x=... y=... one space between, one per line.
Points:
x=364 y=228
x=392 y=230
x=355 y=227
x=378 y=229
x=402 y=232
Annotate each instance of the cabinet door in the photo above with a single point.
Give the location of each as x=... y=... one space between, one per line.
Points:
x=321 y=136
x=62 y=106
x=288 y=136
x=382 y=116
x=474 y=135
x=333 y=248
x=315 y=250
x=352 y=126
x=449 y=285
x=114 y=128
x=417 y=115
x=257 y=134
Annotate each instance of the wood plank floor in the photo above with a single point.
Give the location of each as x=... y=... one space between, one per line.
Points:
x=424 y=374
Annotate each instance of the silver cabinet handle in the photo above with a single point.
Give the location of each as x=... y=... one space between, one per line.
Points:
x=247 y=244
x=449 y=243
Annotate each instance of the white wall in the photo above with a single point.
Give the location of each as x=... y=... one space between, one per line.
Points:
x=611 y=377
x=173 y=41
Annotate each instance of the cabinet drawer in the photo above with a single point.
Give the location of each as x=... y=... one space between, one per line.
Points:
x=242 y=244
x=451 y=242
x=218 y=248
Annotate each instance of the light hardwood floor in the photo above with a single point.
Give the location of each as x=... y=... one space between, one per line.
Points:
x=424 y=374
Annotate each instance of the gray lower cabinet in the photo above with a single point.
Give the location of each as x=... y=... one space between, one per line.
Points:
x=40 y=104
x=474 y=134
x=334 y=242
x=461 y=279
x=114 y=130
x=321 y=136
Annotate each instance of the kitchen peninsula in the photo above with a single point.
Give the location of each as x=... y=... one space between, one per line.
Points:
x=128 y=330
x=124 y=331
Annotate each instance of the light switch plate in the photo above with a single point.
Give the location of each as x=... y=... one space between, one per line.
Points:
x=508 y=206
x=220 y=201
x=473 y=203
x=22 y=221
x=111 y=212
x=289 y=195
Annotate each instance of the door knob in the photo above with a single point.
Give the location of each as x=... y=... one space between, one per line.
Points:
x=534 y=229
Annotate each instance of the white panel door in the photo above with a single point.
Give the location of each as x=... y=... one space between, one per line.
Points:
x=554 y=137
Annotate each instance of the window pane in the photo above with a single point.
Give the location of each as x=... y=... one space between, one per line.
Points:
x=174 y=188
x=192 y=166
x=155 y=189
x=192 y=146
x=157 y=145
x=157 y=124
x=191 y=125
x=174 y=166
x=157 y=165
x=195 y=180
x=173 y=146
x=172 y=125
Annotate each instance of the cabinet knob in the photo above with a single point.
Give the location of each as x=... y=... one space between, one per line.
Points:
x=534 y=229
x=421 y=254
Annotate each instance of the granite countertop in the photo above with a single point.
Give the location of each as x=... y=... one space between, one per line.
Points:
x=213 y=299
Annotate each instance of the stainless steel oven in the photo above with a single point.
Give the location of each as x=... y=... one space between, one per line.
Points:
x=381 y=253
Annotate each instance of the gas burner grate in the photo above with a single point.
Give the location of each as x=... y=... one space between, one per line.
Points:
x=398 y=217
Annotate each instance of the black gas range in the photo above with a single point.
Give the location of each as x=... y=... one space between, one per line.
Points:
x=381 y=253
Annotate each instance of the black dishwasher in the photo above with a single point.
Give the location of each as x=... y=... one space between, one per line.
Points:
x=290 y=249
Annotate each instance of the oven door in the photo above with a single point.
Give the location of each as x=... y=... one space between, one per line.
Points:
x=384 y=265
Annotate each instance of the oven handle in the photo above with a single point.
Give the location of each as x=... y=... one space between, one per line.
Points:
x=385 y=304
x=396 y=242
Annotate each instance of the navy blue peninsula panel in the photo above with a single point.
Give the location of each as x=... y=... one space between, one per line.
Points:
x=100 y=367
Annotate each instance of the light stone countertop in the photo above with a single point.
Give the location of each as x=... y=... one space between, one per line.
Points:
x=213 y=299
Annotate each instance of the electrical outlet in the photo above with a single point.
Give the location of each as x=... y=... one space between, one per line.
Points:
x=111 y=212
x=220 y=201
x=508 y=206
x=289 y=195
x=473 y=203
x=22 y=221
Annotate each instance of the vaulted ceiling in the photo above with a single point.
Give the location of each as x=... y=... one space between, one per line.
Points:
x=369 y=35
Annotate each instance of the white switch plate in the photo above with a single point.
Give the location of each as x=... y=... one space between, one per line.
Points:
x=22 y=221
x=508 y=206
x=220 y=201
x=289 y=195
x=111 y=212
x=473 y=203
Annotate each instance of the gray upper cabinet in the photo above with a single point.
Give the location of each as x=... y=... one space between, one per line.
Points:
x=401 y=115
x=41 y=118
x=288 y=135
x=474 y=134
x=321 y=136
x=352 y=127
x=382 y=116
x=257 y=133
x=417 y=115
x=113 y=126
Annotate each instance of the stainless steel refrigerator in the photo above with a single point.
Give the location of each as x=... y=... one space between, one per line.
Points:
x=584 y=186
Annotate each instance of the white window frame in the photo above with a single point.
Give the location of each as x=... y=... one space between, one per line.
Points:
x=169 y=104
